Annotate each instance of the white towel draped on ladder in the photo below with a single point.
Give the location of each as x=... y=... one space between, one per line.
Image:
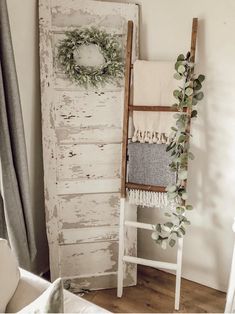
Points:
x=153 y=86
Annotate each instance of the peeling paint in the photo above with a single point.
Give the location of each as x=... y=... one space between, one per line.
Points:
x=82 y=132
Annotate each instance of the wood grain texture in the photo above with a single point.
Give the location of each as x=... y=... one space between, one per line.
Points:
x=91 y=161
x=88 y=235
x=101 y=210
x=151 y=188
x=154 y=293
x=48 y=137
x=88 y=186
x=82 y=135
x=76 y=258
x=127 y=95
x=192 y=56
x=154 y=108
x=88 y=117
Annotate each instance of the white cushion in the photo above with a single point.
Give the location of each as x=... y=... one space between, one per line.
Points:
x=31 y=287
x=9 y=274
x=51 y=301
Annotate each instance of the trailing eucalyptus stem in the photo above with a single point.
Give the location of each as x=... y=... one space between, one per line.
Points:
x=187 y=96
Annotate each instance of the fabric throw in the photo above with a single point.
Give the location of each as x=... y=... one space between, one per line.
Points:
x=51 y=301
x=17 y=222
x=149 y=165
x=153 y=86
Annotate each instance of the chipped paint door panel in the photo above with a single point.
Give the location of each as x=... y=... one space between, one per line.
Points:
x=82 y=134
x=91 y=161
x=88 y=186
x=88 y=117
x=88 y=235
x=101 y=210
x=75 y=258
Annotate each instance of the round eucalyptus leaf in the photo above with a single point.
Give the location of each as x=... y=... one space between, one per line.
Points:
x=197 y=85
x=178 y=76
x=181 y=138
x=180 y=57
x=189 y=207
x=201 y=78
x=176 y=93
x=154 y=236
x=180 y=210
x=191 y=156
x=189 y=91
x=177 y=64
x=181 y=69
x=194 y=114
x=172 y=242
x=199 y=96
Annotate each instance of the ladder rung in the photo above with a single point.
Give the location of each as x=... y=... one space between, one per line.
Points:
x=139 y=225
x=150 y=188
x=148 y=262
x=154 y=108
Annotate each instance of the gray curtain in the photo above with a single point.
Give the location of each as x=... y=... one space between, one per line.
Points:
x=15 y=205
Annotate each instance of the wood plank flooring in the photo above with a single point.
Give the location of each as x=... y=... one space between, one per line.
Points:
x=154 y=293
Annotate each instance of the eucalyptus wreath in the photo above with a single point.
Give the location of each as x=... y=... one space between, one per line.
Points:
x=187 y=97
x=111 y=70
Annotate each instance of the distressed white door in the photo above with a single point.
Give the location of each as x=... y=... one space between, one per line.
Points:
x=82 y=132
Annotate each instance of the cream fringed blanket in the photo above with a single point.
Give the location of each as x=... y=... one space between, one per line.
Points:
x=153 y=86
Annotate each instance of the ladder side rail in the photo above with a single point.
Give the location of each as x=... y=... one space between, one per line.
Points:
x=189 y=111
x=121 y=249
x=126 y=106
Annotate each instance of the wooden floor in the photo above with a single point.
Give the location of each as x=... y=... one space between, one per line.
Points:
x=154 y=293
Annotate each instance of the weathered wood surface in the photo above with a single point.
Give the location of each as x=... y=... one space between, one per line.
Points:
x=88 y=186
x=101 y=210
x=103 y=162
x=88 y=117
x=82 y=151
x=49 y=137
x=75 y=258
x=88 y=235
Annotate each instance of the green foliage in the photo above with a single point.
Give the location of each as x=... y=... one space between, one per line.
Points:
x=187 y=97
x=111 y=71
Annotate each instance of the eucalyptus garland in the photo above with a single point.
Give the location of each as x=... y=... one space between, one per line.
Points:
x=187 y=97
x=111 y=71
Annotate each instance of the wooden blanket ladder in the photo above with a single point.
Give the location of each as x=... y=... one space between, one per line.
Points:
x=128 y=109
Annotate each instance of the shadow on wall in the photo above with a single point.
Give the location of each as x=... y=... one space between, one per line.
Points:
x=208 y=177
x=209 y=239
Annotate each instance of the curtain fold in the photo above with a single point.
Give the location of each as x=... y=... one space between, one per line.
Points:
x=15 y=204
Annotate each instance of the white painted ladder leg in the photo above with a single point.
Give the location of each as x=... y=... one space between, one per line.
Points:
x=121 y=248
x=178 y=273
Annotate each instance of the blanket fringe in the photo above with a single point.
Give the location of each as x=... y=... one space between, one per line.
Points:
x=150 y=199
x=151 y=137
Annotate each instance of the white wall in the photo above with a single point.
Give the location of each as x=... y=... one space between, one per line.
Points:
x=164 y=33
x=24 y=28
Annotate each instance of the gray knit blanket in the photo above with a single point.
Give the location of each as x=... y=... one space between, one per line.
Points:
x=148 y=164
